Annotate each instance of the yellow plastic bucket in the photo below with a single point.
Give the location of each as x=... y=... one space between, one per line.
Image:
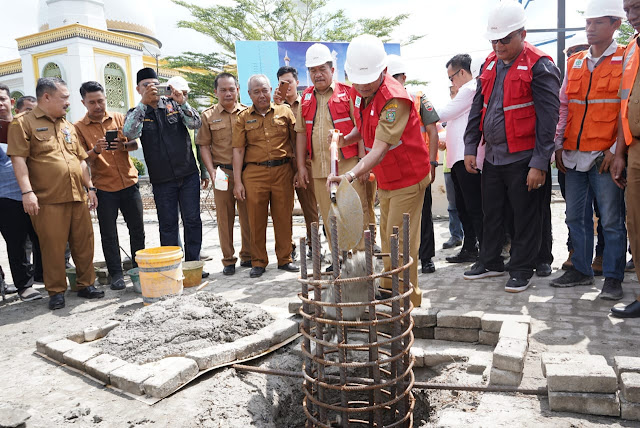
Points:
x=160 y=272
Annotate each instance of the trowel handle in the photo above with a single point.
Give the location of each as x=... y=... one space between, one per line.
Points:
x=333 y=150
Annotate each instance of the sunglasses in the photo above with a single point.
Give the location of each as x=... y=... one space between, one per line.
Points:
x=505 y=40
x=454 y=75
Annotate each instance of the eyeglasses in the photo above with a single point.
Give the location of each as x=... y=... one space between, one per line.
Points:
x=505 y=40
x=454 y=75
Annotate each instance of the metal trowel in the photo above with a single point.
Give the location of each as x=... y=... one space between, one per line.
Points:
x=346 y=205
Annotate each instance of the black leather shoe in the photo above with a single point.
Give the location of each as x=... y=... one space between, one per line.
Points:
x=464 y=256
x=205 y=274
x=632 y=310
x=246 y=263
x=428 y=266
x=90 y=292
x=117 y=284
x=289 y=267
x=229 y=270
x=452 y=243
x=543 y=269
x=256 y=272
x=56 y=301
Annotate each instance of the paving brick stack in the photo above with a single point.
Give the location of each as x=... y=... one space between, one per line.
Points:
x=628 y=372
x=510 y=353
x=581 y=384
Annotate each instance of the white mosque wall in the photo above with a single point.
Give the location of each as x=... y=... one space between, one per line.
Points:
x=85 y=12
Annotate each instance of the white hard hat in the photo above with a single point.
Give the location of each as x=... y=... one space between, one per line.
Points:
x=178 y=83
x=504 y=18
x=317 y=54
x=395 y=65
x=601 y=8
x=366 y=59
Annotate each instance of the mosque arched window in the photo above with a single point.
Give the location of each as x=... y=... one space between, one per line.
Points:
x=52 y=70
x=115 y=87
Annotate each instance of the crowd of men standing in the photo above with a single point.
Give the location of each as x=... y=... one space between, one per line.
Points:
x=504 y=130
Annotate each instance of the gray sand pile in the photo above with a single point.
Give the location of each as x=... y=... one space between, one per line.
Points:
x=178 y=325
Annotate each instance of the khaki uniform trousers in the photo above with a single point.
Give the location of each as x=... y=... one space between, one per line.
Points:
x=633 y=203
x=57 y=224
x=309 y=205
x=226 y=215
x=393 y=204
x=269 y=187
x=324 y=200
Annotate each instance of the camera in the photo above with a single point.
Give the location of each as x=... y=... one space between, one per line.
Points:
x=164 y=90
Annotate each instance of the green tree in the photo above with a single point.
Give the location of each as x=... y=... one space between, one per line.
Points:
x=625 y=33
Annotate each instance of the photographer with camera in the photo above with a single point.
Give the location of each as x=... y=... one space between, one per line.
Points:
x=162 y=125
x=114 y=175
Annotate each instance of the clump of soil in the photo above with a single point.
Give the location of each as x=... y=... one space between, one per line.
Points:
x=176 y=326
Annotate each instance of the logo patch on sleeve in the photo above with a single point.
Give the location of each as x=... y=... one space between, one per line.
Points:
x=390 y=115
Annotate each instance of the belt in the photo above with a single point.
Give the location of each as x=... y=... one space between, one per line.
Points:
x=223 y=165
x=272 y=163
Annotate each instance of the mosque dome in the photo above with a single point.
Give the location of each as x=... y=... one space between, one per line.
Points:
x=122 y=16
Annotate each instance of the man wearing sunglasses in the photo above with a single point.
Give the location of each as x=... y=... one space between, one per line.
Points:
x=515 y=111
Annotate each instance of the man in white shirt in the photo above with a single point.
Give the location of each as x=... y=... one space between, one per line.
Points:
x=467 y=186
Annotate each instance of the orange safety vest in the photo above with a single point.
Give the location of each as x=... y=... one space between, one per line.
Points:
x=629 y=72
x=594 y=105
x=407 y=162
x=519 y=111
x=339 y=108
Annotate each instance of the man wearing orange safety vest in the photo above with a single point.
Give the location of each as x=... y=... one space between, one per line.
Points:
x=515 y=113
x=428 y=116
x=589 y=111
x=396 y=151
x=324 y=106
x=629 y=132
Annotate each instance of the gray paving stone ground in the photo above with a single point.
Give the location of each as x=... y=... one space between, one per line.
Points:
x=562 y=320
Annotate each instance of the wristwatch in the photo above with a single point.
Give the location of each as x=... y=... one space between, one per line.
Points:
x=434 y=164
x=352 y=175
x=92 y=189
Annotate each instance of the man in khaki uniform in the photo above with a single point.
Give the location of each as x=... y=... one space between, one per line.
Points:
x=262 y=143
x=50 y=167
x=216 y=137
x=325 y=90
x=306 y=197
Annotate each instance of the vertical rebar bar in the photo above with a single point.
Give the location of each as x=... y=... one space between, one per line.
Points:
x=306 y=324
x=406 y=280
x=319 y=327
x=337 y=295
x=375 y=397
x=395 y=309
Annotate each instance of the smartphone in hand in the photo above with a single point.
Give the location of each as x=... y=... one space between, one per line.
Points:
x=112 y=138
x=284 y=88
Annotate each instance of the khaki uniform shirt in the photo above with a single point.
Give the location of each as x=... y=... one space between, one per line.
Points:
x=393 y=119
x=111 y=170
x=217 y=131
x=53 y=153
x=322 y=124
x=267 y=137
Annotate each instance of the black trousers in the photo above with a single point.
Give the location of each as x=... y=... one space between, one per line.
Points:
x=505 y=186
x=427 y=241
x=469 y=204
x=129 y=202
x=15 y=226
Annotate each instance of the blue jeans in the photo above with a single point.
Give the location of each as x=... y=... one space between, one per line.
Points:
x=183 y=192
x=610 y=198
x=455 y=225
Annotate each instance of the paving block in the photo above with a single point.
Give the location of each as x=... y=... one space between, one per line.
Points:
x=168 y=375
x=629 y=411
x=436 y=352
x=418 y=354
x=77 y=337
x=630 y=386
x=579 y=377
x=457 y=319
x=456 y=334
x=493 y=322
x=586 y=403
x=424 y=333
x=488 y=338
x=626 y=365
x=213 y=356
x=249 y=346
x=478 y=362
x=294 y=307
x=558 y=358
x=504 y=377
x=424 y=317
x=280 y=330
x=509 y=354
x=80 y=355
x=130 y=378
x=514 y=330
x=42 y=342
x=95 y=333
x=101 y=366
x=57 y=349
